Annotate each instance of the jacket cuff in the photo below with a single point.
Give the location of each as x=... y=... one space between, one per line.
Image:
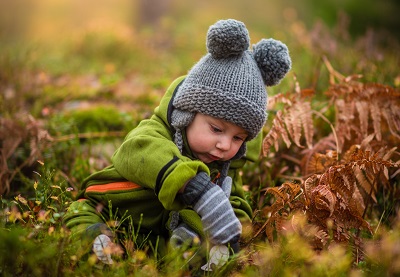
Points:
x=195 y=188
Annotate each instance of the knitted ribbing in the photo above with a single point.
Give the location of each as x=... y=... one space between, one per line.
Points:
x=231 y=89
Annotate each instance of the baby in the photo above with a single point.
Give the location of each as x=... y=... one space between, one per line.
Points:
x=176 y=175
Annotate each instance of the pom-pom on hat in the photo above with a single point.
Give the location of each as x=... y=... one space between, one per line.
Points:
x=229 y=82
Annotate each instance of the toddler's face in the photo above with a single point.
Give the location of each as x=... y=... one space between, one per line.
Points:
x=212 y=139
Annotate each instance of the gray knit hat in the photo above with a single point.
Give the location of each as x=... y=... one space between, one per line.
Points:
x=229 y=82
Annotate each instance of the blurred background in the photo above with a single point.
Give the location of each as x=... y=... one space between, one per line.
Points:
x=167 y=36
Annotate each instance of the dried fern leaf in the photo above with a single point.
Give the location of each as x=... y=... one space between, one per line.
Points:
x=278 y=98
x=269 y=232
x=310 y=183
x=293 y=123
x=358 y=202
x=362 y=109
x=345 y=116
x=323 y=198
x=277 y=130
x=388 y=154
x=304 y=111
x=365 y=143
x=365 y=183
x=322 y=146
x=276 y=192
x=376 y=119
x=336 y=182
x=318 y=163
x=393 y=120
x=294 y=190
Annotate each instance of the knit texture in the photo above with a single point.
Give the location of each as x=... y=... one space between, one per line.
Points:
x=184 y=236
x=217 y=216
x=230 y=89
x=229 y=82
x=212 y=204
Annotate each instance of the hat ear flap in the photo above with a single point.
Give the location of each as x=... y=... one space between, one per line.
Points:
x=273 y=60
x=179 y=120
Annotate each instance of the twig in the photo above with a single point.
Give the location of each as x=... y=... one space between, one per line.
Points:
x=290 y=177
x=259 y=231
x=333 y=130
x=290 y=158
x=66 y=177
x=90 y=135
x=332 y=71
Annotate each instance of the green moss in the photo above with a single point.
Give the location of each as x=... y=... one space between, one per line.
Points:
x=101 y=119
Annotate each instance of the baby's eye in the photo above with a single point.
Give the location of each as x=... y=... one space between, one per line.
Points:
x=215 y=129
x=238 y=138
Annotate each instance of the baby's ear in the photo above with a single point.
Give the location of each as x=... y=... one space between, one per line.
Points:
x=273 y=60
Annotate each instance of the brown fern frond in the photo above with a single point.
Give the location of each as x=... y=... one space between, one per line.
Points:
x=373 y=104
x=392 y=117
x=295 y=117
x=324 y=199
x=274 y=100
x=387 y=154
x=362 y=109
x=318 y=163
x=274 y=224
x=293 y=191
x=365 y=182
x=276 y=191
x=269 y=229
x=287 y=200
x=321 y=239
x=334 y=180
x=13 y=133
x=376 y=119
x=293 y=124
x=313 y=165
x=277 y=130
x=305 y=113
x=358 y=202
x=309 y=184
x=344 y=118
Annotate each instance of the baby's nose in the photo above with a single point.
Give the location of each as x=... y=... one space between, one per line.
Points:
x=224 y=144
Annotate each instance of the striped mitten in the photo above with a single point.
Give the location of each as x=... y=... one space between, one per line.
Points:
x=184 y=236
x=210 y=202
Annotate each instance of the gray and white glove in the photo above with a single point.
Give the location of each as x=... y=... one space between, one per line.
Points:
x=226 y=186
x=212 y=204
x=101 y=247
x=184 y=236
x=102 y=243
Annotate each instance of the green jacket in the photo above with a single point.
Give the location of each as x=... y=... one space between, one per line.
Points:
x=149 y=159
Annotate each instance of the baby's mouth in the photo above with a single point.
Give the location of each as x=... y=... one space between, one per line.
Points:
x=214 y=158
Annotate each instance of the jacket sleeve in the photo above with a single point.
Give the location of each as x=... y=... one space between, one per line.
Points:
x=80 y=215
x=149 y=157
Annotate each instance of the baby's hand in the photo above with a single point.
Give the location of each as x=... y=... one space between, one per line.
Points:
x=102 y=247
x=211 y=203
x=226 y=186
x=184 y=236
